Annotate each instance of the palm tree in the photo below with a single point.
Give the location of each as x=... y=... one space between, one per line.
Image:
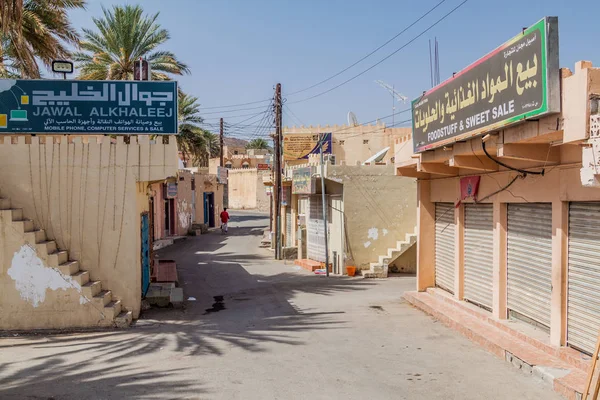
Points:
x=124 y=34
x=196 y=144
x=32 y=30
x=259 y=144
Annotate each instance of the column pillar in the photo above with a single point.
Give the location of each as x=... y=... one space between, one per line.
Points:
x=558 y=302
x=499 y=273
x=426 y=236
x=459 y=252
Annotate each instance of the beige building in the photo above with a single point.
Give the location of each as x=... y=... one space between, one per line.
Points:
x=371 y=217
x=528 y=249
x=251 y=158
x=352 y=144
x=74 y=219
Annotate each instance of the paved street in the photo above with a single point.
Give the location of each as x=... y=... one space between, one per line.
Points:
x=278 y=333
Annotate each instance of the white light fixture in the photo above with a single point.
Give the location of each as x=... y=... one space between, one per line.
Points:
x=62 y=67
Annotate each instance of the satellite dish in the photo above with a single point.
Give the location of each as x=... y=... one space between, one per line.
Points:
x=352 y=119
x=377 y=157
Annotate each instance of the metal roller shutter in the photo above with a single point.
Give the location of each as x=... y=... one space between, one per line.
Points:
x=315 y=231
x=529 y=261
x=479 y=259
x=583 y=301
x=445 y=230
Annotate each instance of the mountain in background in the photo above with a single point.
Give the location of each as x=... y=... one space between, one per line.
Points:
x=232 y=142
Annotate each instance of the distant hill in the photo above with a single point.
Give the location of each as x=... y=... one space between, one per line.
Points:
x=233 y=142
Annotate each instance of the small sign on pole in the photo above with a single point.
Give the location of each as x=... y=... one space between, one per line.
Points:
x=141 y=70
x=171 y=190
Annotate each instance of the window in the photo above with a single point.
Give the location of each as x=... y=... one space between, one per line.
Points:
x=193 y=184
x=342 y=142
x=181 y=179
x=245 y=165
x=228 y=165
x=366 y=141
x=235 y=152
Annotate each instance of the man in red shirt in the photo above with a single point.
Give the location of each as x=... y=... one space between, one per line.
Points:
x=224 y=219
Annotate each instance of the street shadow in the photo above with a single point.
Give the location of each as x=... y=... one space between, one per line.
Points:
x=60 y=378
x=255 y=310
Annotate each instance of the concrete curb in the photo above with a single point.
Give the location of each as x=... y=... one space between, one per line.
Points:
x=565 y=379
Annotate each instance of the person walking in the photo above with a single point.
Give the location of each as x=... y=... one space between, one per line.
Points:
x=224 y=220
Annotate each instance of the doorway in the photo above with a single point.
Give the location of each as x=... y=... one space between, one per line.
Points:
x=209 y=209
x=145 y=256
x=169 y=217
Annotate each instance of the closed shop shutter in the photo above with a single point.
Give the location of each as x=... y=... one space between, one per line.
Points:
x=529 y=261
x=444 y=246
x=479 y=259
x=289 y=225
x=583 y=302
x=315 y=231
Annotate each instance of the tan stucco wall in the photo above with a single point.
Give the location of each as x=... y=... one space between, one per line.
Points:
x=379 y=208
x=47 y=299
x=246 y=190
x=88 y=198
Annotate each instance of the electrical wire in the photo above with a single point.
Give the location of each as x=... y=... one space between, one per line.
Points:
x=371 y=53
x=508 y=166
x=383 y=59
x=353 y=64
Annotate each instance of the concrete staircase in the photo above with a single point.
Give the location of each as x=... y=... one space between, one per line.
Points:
x=380 y=268
x=112 y=311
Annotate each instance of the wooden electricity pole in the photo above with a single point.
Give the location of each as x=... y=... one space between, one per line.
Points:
x=221 y=142
x=277 y=172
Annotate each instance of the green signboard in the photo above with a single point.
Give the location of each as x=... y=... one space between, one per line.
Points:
x=88 y=107
x=517 y=81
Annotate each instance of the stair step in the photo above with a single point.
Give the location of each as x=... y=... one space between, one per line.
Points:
x=124 y=319
x=91 y=289
x=4 y=204
x=81 y=277
x=17 y=214
x=112 y=309
x=25 y=225
x=57 y=258
x=103 y=298
x=49 y=246
x=370 y=274
x=35 y=237
x=69 y=268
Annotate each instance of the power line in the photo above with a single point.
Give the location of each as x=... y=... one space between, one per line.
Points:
x=383 y=59
x=371 y=53
x=336 y=74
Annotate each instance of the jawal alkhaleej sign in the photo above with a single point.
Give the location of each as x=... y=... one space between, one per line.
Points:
x=298 y=146
x=517 y=81
x=88 y=107
x=302 y=181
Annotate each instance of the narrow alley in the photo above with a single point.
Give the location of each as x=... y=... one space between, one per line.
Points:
x=263 y=329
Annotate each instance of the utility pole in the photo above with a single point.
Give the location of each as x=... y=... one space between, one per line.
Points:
x=277 y=188
x=324 y=201
x=221 y=142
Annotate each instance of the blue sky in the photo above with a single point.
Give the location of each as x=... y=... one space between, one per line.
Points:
x=239 y=49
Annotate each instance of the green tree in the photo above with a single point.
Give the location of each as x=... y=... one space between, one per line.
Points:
x=123 y=35
x=196 y=144
x=259 y=144
x=32 y=30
